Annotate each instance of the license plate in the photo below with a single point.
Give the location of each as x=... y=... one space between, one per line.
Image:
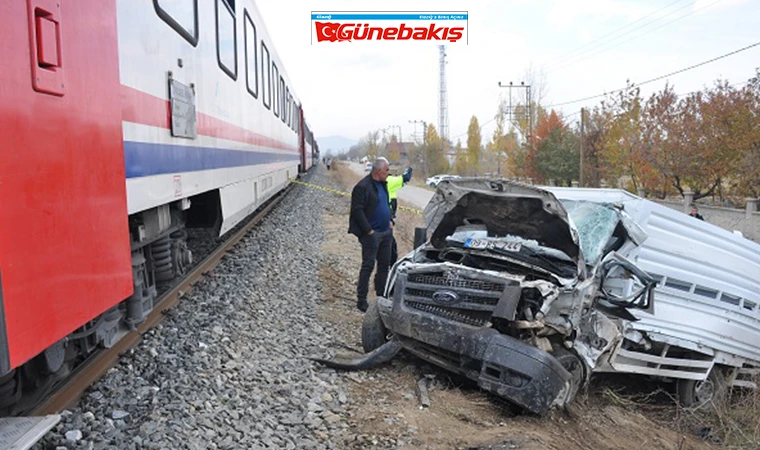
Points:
x=476 y=243
x=480 y=244
x=508 y=246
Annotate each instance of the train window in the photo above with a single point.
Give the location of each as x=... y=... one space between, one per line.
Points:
x=266 y=82
x=732 y=299
x=226 y=42
x=287 y=107
x=251 y=56
x=290 y=112
x=182 y=15
x=282 y=99
x=276 y=95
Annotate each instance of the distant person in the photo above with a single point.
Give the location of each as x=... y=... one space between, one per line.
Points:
x=329 y=161
x=695 y=213
x=396 y=182
x=370 y=221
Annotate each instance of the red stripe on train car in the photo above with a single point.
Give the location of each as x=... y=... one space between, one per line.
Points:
x=64 y=236
x=145 y=109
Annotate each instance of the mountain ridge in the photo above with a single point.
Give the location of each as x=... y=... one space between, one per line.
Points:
x=335 y=143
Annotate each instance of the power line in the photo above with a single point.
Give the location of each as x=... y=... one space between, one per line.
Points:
x=636 y=84
x=565 y=116
x=567 y=64
x=736 y=85
x=620 y=29
x=659 y=77
x=479 y=128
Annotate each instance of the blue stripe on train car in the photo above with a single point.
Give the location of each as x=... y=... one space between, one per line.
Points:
x=143 y=159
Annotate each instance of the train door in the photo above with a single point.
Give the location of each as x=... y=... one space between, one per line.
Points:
x=64 y=242
x=301 y=141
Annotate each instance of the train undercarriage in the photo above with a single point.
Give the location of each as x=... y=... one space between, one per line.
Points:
x=160 y=257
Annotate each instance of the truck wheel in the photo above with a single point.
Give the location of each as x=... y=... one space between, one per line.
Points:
x=374 y=333
x=695 y=393
x=574 y=365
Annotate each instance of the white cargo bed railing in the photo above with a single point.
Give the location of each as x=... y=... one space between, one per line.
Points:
x=708 y=291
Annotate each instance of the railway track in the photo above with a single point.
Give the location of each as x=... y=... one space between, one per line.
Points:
x=67 y=393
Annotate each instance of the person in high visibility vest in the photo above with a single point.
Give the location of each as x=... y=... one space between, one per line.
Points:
x=395 y=183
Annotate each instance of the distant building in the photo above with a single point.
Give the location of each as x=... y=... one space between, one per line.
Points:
x=451 y=157
x=404 y=149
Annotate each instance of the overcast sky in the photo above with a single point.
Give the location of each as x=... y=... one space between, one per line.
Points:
x=349 y=89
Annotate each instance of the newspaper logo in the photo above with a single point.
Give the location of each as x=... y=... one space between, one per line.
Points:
x=351 y=27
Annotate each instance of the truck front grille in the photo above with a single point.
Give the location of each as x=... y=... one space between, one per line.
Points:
x=457 y=297
x=474 y=318
x=446 y=279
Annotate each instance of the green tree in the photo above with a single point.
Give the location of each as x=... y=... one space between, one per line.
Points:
x=558 y=155
x=545 y=125
x=373 y=147
x=435 y=160
x=394 y=149
x=621 y=153
x=460 y=161
x=498 y=149
x=473 y=147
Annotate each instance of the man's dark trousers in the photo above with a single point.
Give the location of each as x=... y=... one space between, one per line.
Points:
x=375 y=247
x=394 y=247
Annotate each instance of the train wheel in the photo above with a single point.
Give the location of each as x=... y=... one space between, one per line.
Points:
x=10 y=391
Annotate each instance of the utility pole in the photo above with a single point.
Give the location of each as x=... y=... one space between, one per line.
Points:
x=514 y=116
x=583 y=121
x=512 y=112
x=399 y=130
x=423 y=160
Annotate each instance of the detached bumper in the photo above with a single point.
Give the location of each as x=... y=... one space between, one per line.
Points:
x=521 y=373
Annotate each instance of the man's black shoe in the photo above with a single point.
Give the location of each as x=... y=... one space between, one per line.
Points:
x=362 y=305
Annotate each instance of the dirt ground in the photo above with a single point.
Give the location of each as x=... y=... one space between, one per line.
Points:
x=385 y=411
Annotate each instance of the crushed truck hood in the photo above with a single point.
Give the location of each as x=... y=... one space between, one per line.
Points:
x=506 y=208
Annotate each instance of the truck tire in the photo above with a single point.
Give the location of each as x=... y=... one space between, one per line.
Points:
x=696 y=394
x=573 y=364
x=374 y=333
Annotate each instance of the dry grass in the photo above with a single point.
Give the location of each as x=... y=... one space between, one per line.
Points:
x=735 y=424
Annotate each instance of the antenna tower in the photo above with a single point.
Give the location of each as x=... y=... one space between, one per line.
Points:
x=443 y=104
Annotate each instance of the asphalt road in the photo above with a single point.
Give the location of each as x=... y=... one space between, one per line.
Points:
x=415 y=196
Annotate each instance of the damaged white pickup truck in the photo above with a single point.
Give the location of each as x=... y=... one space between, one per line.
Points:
x=528 y=293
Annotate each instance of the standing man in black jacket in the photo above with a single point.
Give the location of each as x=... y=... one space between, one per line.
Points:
x=370 y=221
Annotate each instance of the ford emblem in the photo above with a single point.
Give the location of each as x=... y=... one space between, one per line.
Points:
x=445 y=297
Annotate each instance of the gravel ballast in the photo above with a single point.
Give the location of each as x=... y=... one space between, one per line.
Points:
x=228 y=366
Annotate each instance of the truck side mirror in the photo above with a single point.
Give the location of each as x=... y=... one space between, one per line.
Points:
x=625 y=285
x=420 y=236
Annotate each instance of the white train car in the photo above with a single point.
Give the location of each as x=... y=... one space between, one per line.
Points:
x=216 y=58
x=126 y=123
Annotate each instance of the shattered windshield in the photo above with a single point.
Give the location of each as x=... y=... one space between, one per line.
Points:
x=595 y=224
